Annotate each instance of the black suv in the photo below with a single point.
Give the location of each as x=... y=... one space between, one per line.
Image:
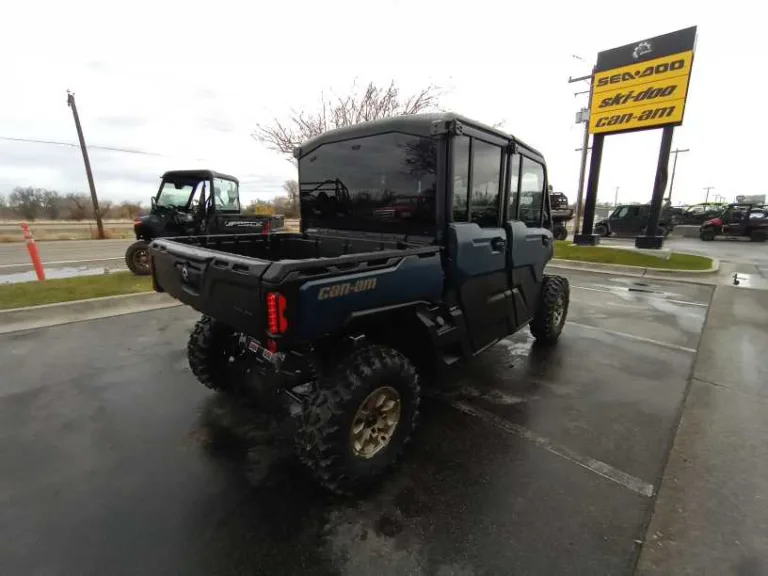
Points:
x=632 y=220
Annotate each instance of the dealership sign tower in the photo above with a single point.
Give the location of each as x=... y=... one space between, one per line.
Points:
x=638 y=86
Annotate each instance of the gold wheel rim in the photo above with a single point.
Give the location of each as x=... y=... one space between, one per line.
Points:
x=375 y=422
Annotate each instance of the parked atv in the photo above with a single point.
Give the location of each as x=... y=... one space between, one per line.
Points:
x=346 y=322
x=738 y=221
x=192 y=202
x=561 y=214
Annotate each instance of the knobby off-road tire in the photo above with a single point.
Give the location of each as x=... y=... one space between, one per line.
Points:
x=601 y=230
x=707 y=235
x=210 y=347
x=326 y=437
x=757 y=235
x=137 y=258
x=560 y=232
x=548 y=322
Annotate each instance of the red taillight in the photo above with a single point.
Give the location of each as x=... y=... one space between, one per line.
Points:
x=136 y=222
x=271 y=345
x=277 y=323
x=267 y=228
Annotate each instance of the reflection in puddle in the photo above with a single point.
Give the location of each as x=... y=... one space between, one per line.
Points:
x=52 y=273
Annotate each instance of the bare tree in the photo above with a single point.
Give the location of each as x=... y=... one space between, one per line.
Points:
x=105 y=207
x=26 y=202
x=77 y=206
x=371 y=103
x=291 y=188
x=129 y=210
x=5 y=211
x=51 y=204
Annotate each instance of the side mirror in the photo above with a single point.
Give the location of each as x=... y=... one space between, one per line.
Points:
x=153 y=202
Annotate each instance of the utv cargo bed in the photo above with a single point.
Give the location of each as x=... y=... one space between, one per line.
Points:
x=228 y=277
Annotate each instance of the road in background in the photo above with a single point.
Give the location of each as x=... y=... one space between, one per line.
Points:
x=73 y=254
x=529 y=460
x=14 y=257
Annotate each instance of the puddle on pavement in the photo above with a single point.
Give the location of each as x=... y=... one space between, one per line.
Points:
x=52 y=273
x=747 y=281
x=624 y=287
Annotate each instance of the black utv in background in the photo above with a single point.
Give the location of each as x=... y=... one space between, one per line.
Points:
x=423 y=242
x=697 y=214
x=738 y=221
x=193 y=202
x=632 y=220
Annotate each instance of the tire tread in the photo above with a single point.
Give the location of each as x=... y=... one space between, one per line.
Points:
x=320 y=440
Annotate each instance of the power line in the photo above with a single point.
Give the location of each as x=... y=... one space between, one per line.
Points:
x=73 y=145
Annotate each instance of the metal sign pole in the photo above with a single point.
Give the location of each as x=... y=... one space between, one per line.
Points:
x=651 y=239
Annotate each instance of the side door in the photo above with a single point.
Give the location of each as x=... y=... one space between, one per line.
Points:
x=530 y=244
x=736 y=220
x=641 y=220
x=625 y=220
x=477 y=242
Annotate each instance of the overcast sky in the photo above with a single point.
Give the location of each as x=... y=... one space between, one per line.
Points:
x=190 y=81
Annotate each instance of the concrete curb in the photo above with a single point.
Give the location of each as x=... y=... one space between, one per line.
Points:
x=595 y=266
x=708 y=278
x=17 y=319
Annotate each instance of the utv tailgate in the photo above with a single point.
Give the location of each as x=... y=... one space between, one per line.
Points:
x=222 y=285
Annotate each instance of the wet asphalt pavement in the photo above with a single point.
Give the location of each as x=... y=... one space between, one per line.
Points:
x=530 y=461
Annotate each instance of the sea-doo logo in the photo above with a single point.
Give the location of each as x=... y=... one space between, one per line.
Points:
x=641 y=50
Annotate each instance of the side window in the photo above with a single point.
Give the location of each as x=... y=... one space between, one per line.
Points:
x=514 y=180
x=644 y=211
x=486 y=178
x=621 y=212
x=531 y=192
x=460 y=178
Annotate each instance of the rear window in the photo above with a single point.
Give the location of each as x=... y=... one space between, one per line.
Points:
x=381 y=183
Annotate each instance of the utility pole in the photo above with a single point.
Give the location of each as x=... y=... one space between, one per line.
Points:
x=88 y=173
x=676 y=151
x=616 y=197
x=707 y=188
x=583 y=117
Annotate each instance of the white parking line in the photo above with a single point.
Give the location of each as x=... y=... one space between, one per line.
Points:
x=633 y=337
x=644 y=294
x=63 y=262
x=600 y=468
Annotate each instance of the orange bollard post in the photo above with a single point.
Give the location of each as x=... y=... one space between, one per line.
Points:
x=33 y=253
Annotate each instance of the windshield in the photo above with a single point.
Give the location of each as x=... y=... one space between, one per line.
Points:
x=381 y=183
x=171 y=195
x=225 y=195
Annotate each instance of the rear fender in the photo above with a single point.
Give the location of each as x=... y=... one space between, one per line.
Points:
x=327 y=305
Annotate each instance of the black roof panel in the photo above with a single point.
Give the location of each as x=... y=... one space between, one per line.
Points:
x=416 y=124
x=202 y=174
